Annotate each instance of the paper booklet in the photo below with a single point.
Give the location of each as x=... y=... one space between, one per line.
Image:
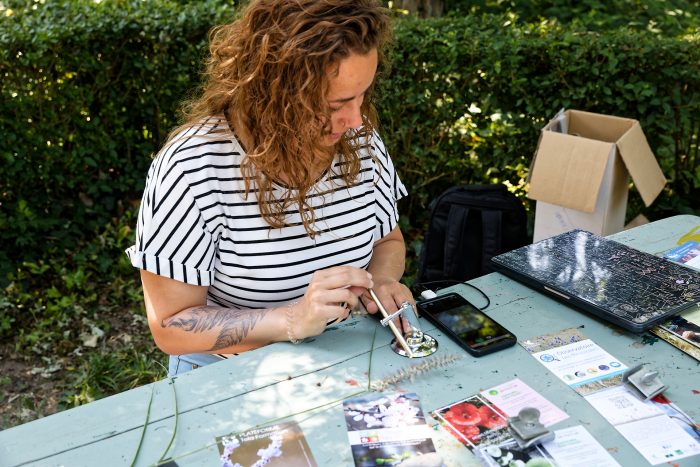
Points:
x=480 y=423
x=657 y=429
x=683 y=331
x=389 y=429
x=483 y=428
x=279 y=445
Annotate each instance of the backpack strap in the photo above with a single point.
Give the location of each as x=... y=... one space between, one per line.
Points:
x=492 y=226
x=454 y=238
x=431 y=265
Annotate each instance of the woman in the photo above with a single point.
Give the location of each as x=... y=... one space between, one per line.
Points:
x=272 y=210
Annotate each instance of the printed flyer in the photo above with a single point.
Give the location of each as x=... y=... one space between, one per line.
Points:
x=480 y=423
x=483 y=427
x=577 y=361
x=389 y=429
x=688 y=254
x=474 y=421
x=576 y=447
x=280 y=445
x=683 y=331
x=571 y=447
x=514 y=395
x=596 y=375
x=509 y=453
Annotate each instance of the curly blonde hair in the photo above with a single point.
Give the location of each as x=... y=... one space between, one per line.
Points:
x=270 y=69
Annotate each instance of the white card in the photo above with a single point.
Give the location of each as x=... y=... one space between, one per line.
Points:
x=512 y=396
x=659 y=439
x=575 y=447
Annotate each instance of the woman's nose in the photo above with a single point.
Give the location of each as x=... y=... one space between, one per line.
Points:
x=353 y=119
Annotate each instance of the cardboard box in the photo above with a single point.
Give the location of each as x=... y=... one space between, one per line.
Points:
x=580 y=173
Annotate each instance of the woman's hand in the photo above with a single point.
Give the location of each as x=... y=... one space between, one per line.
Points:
x=330 y=296
x=392 y=294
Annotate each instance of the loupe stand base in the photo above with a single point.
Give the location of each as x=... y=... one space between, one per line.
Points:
x=426 y=347
x=415 y=343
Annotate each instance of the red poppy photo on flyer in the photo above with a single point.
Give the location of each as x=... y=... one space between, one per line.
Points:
x=474 y=421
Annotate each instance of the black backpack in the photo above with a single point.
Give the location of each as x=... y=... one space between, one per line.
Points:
x=469 y=224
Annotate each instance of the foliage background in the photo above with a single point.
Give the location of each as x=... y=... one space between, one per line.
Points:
x=90 y=89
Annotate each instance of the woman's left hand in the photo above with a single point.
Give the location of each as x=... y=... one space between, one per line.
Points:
x=392 y=294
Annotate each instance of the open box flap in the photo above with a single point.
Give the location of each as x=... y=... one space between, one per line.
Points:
x=568 y=170
x=641 y=164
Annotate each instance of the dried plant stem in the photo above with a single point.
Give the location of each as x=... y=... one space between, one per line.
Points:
x=412 y=371
x=369 y=365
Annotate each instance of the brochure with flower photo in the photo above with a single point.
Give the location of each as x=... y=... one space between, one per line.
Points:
x=483 y=427
x=480 y=423
x=510 y=454
x=482 y=419
x=280 y=445
x=474 y=421
x=389 y=429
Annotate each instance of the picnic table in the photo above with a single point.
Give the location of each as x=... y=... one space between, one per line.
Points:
x=180 y=418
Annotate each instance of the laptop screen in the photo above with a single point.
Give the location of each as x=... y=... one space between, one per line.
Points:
x=631 y=288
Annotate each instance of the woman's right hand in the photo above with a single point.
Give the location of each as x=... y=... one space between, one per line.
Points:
x=330 y=296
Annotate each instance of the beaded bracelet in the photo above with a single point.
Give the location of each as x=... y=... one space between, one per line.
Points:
x=290 y=319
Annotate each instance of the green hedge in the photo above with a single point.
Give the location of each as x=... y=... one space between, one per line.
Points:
x=667 y=17
x=468 y=96
x=89 y=92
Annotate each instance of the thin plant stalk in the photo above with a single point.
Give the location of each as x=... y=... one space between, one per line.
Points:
x=145 y=425
x=172 y=438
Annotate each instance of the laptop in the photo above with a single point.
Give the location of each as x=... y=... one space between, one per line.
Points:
x=617 y=283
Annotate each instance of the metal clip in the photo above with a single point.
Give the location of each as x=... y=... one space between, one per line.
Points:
x=405 y=306
x=645 y=383
x=526 y=428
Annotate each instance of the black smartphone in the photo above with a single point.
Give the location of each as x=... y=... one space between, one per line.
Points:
x=466 y=324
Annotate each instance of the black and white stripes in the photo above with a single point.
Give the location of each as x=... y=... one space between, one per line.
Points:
x=195 y=226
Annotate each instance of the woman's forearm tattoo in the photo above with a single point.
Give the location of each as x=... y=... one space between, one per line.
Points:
x=233 y=325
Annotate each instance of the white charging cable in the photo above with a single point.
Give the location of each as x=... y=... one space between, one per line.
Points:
x=427 y=294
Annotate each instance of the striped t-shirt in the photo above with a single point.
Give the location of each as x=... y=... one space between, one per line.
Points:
x=196 y=226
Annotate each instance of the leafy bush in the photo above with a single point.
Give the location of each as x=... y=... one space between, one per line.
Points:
x=88 y=91
x=667 y=17
x=467 y=97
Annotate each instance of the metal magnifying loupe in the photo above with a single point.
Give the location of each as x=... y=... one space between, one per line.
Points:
x=419 y=343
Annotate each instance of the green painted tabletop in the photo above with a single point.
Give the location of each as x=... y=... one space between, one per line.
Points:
x=307 y=382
